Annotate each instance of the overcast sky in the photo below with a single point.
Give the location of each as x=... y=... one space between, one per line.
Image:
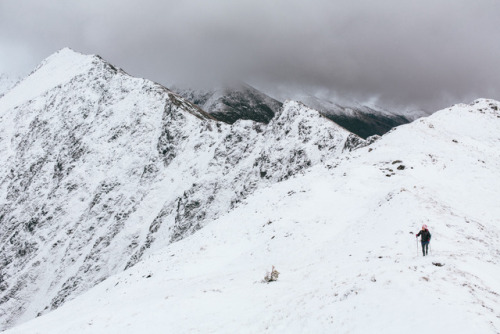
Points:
x=427 y=54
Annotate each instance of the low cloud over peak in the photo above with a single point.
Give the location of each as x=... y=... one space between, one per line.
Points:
x=427 y=54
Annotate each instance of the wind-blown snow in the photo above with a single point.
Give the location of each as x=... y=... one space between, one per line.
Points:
x=342 y=237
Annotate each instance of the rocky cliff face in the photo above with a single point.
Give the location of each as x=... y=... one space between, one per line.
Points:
x=98 y=168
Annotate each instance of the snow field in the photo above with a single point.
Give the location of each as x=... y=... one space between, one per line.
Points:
x=341 y=237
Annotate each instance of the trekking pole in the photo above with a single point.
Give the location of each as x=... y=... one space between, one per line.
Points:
x=417 y=245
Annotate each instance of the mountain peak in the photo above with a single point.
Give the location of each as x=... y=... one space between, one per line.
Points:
x=57 y=69
x=65 y=52
x=64 y=59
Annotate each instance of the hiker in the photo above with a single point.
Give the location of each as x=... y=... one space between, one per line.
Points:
x=425 y=239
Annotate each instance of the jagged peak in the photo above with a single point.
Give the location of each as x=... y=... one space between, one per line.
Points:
x=296 y=111
x=297 y=106
x=292 y=108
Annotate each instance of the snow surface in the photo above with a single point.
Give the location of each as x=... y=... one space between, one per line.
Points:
x=342 y=237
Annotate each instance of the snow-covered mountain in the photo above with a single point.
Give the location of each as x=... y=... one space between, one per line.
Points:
x=342 y=237
x=100 y=169
x=241 y=101
x=233 y=102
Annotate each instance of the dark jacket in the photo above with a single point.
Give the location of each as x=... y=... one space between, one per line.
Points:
x=426 y=235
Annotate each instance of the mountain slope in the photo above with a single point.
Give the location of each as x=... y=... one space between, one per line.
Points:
x=99 y=168
x=341 y=236
x=231 y=103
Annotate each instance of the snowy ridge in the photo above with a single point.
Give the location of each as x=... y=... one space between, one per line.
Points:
x=341 y=236
x=100 y=168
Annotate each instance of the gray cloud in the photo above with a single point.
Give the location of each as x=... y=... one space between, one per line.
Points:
x=423 y=53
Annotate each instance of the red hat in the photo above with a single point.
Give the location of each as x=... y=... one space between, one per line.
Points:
x=424 y=227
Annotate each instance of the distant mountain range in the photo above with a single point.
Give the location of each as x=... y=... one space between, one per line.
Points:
x=241 y=101
x=229 y=104
x=360 y=119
